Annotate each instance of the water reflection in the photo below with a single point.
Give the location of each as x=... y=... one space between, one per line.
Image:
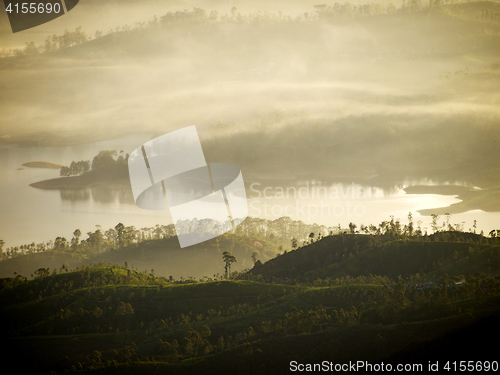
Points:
x=305 y=192
x=74 y=195
x=97 y=195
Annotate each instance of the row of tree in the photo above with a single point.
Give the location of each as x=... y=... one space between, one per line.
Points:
x=284 y=230
x=199 y=16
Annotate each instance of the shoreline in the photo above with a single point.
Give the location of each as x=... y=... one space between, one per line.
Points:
x=42 y=164
x=486 y=200
x=79 y=182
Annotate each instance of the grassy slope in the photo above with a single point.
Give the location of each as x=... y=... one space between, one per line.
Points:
x=30 y=315
x=269 y=354
x=342 y=256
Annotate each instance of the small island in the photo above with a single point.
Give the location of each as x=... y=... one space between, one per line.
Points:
x=106 y=170
x=43 y=164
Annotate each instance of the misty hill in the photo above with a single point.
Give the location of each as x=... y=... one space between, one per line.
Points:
x=158 y=248
x=362 y=90
x=164 y=256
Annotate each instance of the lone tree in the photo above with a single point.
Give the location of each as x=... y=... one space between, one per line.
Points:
x=228 y=259
x=254 y=257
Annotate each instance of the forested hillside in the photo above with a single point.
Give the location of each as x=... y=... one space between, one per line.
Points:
x=377 y=297
x=157 y=248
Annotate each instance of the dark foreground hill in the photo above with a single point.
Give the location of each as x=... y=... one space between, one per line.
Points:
x=351 y=256
x=110 y=319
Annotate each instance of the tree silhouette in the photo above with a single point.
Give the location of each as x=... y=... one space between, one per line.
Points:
x=228 y=259
x=120 y=231
x=103 y=159
x=76 y=237
x=410 y=224
x=352 y=228
x=311 y=236
x=254 y=257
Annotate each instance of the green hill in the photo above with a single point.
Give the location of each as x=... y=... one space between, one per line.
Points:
x=111 y=319
x=354 y=256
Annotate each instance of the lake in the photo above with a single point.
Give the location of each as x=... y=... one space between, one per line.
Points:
x=33 y=215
